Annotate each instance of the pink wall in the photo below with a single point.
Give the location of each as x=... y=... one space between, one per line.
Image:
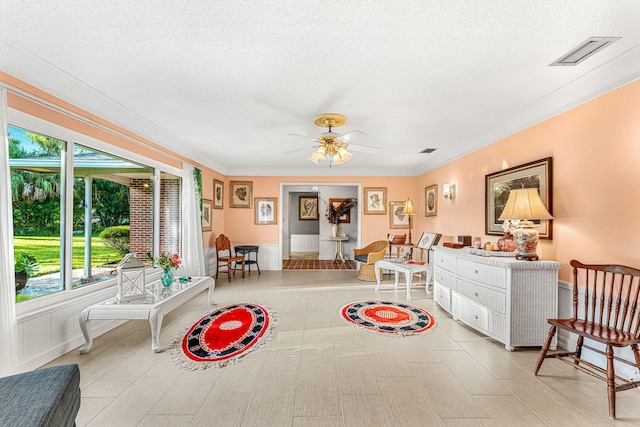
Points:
x=596 y=184
x=595 y=149
x=239 y=223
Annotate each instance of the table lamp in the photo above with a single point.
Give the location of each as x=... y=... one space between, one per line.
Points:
x=524 y=205
x=410 y=210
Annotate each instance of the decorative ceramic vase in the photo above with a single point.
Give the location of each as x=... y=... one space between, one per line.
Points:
x=526 y=238
x=167 y=276
x=334 y=230
x=506 y=243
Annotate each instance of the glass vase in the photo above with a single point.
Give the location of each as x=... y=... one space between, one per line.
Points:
x=167 y=276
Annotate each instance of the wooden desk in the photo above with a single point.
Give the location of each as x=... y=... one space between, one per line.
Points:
x=339 y=240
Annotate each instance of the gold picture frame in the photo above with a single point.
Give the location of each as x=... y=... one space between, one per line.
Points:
x=396 y=218
x=206 y=215
x=431 y=200
x=308 y=208
x=375 y=200
x=266 y=210
x=241 y=194
x=345 y=218
x=218 y=194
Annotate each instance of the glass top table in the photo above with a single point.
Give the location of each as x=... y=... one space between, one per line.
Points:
x=152 y=306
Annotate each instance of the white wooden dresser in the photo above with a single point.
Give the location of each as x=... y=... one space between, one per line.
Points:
x=504 y=298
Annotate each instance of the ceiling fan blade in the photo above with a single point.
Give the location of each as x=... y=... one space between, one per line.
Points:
x=297 y=135
x=297 y=150
x=350 y=136
x=363 y=149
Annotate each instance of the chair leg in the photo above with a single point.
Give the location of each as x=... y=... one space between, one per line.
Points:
x=544 y=350
x=229 y=270
x=579 y=341
x=611 y=383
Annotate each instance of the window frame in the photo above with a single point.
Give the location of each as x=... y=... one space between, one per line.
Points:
x=34 y=124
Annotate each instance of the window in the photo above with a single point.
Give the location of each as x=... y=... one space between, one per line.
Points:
x=113 y=212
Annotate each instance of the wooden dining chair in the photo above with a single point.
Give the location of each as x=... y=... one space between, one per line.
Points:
x=606 y=309
x=224 y=257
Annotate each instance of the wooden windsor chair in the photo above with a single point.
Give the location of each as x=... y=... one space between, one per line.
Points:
x=606 y=310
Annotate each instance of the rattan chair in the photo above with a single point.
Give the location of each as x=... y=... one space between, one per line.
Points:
x=367 y=257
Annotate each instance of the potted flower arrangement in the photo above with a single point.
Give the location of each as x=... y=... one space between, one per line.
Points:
x=167 y=263
x=25 y=266
x=335 y=212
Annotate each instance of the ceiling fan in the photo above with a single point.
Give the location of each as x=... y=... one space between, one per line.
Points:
x=333 y=146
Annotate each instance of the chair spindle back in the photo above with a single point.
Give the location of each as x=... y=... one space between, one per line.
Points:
x=611 y=296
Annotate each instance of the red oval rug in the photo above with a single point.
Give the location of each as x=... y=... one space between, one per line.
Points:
x=222 y=336
x=388 y=317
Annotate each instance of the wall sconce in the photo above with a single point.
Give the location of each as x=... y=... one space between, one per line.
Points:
x=449 y=191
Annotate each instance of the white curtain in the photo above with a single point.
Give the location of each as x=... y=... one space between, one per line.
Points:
x=192 y=245
x=8 y=323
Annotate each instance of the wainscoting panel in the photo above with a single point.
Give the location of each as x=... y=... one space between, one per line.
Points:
x=305 y=243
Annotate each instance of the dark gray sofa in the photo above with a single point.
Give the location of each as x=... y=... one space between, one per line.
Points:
x=45 y=397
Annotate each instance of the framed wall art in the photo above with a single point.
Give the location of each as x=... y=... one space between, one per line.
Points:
x=308 y=208
x=345 y=218
x=536 y=174
x=240 y=194
x=206 y=215
x=427 y=240
x=266 y=210
x=218 y=194
x=396 y=218
x=431 y=200
x=376 y=201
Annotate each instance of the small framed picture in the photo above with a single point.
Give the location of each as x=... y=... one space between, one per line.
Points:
x=396 y=218
x=345 y=218
x=218 y=194
x=308 y=208
x=427 y=240
x=376 y=201
x=266 y=210
x=431 y=200
x=240 y=194
x=206 y=215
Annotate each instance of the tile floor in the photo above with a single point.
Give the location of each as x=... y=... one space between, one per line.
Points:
x=319 y=371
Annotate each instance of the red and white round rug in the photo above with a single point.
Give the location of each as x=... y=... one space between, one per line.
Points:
x=222 y=336
x=388 y=317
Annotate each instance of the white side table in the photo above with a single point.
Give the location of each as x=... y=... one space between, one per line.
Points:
x=159 y=300
x=408 y=268
x=339 y=240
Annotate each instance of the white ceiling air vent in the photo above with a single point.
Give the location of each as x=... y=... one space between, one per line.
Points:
x=584 y=50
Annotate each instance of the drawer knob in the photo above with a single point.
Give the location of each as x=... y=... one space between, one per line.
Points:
x=475 y=316
x=476 y=294
x=475 y=271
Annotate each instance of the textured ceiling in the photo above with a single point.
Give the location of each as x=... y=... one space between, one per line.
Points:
x=226 y=82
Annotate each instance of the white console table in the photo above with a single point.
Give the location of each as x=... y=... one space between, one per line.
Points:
x=408 y=268
x=158 y=301
x=507 y=299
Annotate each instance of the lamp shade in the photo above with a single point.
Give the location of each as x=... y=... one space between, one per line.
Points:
x=524 y=203
x=409 y=209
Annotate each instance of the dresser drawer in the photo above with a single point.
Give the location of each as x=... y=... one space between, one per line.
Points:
x=444 y=278
x=469 y=312
x=494 y=300
x=442 y=296
x=489 y=274
x=445 y=261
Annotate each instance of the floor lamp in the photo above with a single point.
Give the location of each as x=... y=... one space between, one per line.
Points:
x=410 y=210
